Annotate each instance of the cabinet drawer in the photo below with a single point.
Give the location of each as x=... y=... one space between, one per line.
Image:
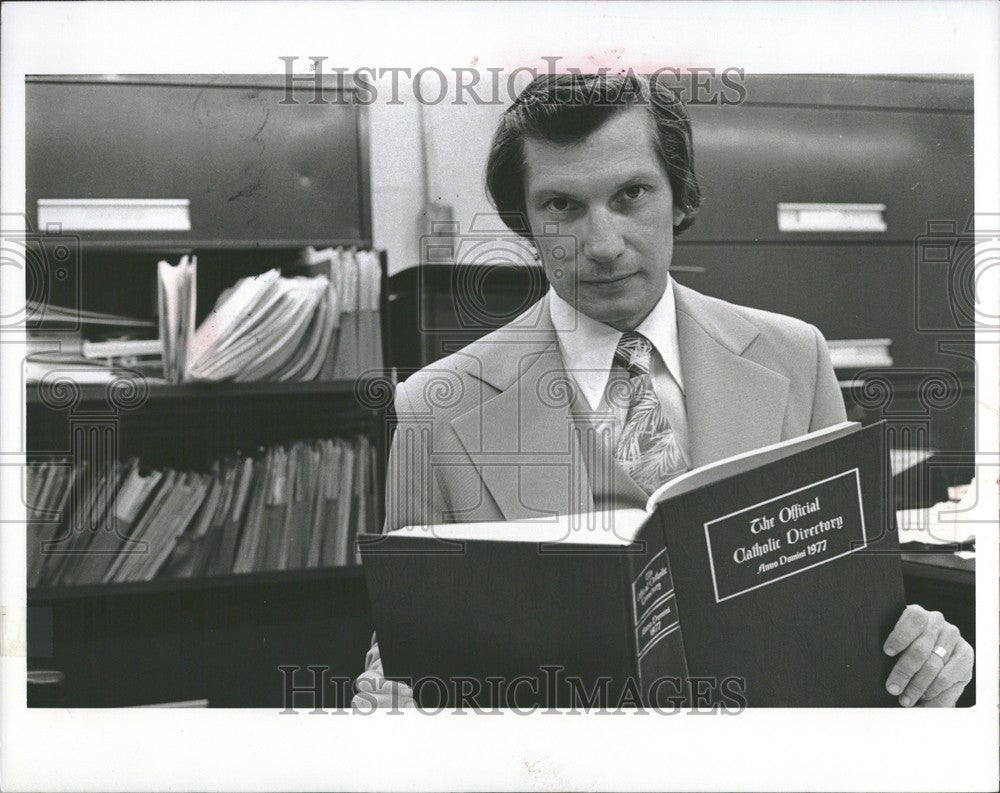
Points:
x=750 y=158
x=254 y=170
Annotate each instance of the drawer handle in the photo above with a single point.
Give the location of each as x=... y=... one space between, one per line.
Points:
x=831 y=217
x=45 y=677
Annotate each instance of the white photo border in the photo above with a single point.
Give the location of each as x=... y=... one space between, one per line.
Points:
x=912 y=749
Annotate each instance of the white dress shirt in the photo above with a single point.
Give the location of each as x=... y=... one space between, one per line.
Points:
x=588 y=350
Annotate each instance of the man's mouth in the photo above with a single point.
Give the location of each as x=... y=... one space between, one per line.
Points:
x=606 y=281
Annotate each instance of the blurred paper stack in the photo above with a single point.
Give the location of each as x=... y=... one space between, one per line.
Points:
x=47 y=493
x=89 y=346
x=176 y=302
x=947 y=525
x=323 y=323
x=266 y=328
x=356 y=289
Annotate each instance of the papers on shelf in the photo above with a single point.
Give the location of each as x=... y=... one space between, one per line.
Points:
x=177 y=298
x=66 y=354
x=284 y=508
x=52 y=314
x=76 y=369
x=355 y=289
x=321 y=325
x=126 y=348
x=945 y=523
x=264 y=328
x=857 y=353
x=901 y=460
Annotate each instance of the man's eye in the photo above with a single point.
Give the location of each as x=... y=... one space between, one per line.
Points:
x=634 y=191
x=559 y=204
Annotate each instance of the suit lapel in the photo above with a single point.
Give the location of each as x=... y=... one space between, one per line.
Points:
x=522 y=441
x=609 y=482
x=733 y=404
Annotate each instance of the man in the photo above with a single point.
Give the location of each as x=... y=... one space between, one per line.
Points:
x=618 y=379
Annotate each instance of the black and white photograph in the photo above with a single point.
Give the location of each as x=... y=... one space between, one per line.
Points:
x=479 y=395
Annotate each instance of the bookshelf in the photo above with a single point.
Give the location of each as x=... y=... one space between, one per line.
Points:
x=183 y=426
x=223 y=641
x=220 y=638
x=319 y=616
x=192 y=392
x=48 y=595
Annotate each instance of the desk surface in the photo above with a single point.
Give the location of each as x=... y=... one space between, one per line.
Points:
x=939 y=567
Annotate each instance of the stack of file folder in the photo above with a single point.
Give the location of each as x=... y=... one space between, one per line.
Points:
x=323 y=324
x=285 y=508
x=355 y=278
x=265 y=328
x=176 y=303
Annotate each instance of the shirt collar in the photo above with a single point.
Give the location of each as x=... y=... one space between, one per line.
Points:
x=588 y=346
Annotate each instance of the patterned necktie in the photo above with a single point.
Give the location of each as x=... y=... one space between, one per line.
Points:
x=646 y=447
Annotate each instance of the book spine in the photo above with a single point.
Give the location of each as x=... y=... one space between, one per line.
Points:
x=660 y=664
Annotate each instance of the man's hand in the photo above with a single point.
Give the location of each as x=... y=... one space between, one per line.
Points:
x=935 y=662
x=374 y=691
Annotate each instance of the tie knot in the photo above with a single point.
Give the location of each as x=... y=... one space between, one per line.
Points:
x=633 y=352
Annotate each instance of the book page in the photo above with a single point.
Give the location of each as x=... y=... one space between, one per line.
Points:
x=610 y=527
x=723 y=469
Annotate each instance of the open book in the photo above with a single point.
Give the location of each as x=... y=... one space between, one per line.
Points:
x=773 y=577
x=620 y=527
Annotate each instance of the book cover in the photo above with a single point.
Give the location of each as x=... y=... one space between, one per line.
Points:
x=769 y=580
x=791 y=576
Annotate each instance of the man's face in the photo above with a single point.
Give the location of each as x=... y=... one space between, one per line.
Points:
x=610 y=193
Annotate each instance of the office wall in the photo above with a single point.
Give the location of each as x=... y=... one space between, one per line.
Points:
x=396 y=190
x=457 y=139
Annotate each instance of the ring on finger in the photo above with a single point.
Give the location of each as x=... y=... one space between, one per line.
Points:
x=940 y=652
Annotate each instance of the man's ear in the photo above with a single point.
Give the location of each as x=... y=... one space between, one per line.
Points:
x=678 y=216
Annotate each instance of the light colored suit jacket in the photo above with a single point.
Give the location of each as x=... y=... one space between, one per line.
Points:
x=488 y=433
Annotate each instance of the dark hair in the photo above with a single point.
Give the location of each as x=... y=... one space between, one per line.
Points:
x=566 y=108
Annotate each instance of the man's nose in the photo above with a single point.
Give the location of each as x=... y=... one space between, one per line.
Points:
x=603 y=242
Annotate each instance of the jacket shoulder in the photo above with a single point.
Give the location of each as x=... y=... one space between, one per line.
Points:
x=779 y=328
x=790 y=347
x=455 y=383
x=428 y=390
x=782 y=343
